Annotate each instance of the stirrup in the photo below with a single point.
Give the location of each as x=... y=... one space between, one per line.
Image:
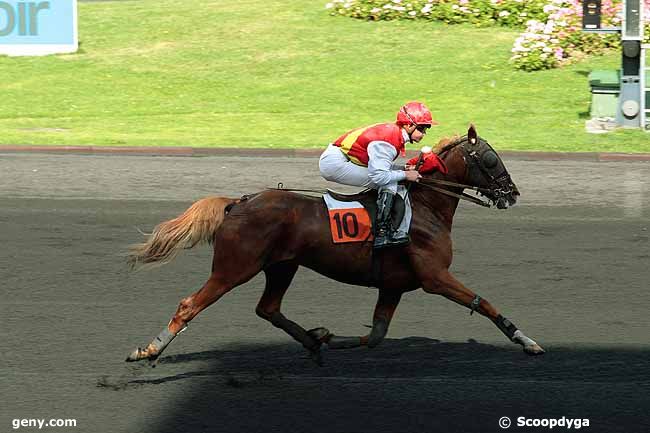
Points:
x=389 y=241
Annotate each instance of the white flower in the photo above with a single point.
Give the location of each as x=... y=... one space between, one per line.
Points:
x=504 y=14
x=549 y=27
x=329 y=5
x=413 y=13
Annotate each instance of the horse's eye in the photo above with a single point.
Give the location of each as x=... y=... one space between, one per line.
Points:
x=490 y=159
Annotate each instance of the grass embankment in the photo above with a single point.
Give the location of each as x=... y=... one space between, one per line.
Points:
x=260 y=73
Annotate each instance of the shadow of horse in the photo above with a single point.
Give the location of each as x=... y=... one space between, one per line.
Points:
x=405 y=385
x=405 y=358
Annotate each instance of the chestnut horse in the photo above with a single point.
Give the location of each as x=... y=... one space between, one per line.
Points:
x=277 y=231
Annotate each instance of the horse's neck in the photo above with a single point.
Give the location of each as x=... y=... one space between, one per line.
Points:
x=441 y=205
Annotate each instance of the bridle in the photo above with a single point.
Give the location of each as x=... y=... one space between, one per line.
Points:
x=496 y=190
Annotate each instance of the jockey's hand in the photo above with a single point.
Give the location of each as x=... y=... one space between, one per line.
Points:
x=409 y=167
x=413 y=175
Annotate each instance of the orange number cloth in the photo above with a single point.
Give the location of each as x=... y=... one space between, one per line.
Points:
x=350 y=225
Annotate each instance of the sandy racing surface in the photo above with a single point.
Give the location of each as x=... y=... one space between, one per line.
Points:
x=569 y=266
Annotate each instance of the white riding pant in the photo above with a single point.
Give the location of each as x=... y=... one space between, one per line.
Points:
x=336 y=167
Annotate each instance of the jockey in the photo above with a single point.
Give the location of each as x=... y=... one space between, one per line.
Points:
x=365 y=156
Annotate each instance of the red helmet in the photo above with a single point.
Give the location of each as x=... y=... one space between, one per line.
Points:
x=415 y=113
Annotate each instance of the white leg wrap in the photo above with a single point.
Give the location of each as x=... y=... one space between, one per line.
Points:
x=520 y=338
x=164 y=338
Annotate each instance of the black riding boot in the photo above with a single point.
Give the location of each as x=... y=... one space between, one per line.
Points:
x=385 y=234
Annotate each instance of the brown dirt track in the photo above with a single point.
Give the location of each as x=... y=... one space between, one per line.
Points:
x=569 y=266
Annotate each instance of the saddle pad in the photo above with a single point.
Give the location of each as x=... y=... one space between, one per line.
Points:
x=349 y=221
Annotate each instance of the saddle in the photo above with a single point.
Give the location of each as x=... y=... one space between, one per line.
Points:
x=368 y=198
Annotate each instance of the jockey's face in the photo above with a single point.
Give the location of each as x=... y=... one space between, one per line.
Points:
x=416 y=132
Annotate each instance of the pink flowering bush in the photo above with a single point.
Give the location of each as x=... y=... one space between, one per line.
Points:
x=552 y=33
x=559 y=39
x=510 y=13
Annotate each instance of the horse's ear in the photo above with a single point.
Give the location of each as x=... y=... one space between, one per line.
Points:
x=472 y=136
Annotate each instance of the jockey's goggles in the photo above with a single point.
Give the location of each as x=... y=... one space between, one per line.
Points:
x=423 y=128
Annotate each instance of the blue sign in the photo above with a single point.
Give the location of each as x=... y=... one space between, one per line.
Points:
x=38 y=27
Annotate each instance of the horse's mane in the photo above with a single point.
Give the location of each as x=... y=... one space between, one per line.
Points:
x=447 y=143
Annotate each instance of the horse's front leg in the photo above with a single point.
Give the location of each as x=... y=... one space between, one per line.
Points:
x=387 y=302
x=446 y=285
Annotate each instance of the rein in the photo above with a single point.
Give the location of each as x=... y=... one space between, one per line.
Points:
x=461 y=196
x=459 y=185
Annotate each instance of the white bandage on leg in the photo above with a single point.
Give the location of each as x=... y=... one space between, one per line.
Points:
x=520 y=338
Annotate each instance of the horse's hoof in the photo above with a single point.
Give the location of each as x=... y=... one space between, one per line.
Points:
x=534 y=349
x=140 y=354
x=136 y=355
x=320 y=334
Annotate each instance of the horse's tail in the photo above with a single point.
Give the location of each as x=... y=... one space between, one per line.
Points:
x=197 y=224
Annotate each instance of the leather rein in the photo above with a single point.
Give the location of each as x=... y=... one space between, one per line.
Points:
x=462 y=195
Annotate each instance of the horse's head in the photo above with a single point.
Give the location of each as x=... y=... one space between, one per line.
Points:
x=484 y=169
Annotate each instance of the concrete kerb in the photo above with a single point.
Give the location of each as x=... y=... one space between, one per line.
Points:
x=297 y=153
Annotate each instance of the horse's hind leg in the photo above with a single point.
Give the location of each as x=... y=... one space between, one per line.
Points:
x=278 y=279
x=387 y=302
x=188 y=308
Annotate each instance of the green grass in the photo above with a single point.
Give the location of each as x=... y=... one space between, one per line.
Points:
x=259 y=73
